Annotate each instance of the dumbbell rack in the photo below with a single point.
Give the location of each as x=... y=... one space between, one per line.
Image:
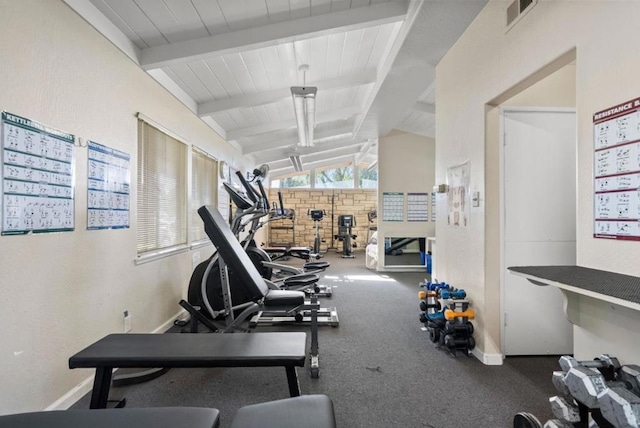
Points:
x=448 y=324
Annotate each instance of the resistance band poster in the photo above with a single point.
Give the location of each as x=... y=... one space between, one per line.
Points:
x=616 y=135
x=108 y=184
x=37 y=179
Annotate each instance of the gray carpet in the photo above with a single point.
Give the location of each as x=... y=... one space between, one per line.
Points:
x=378 y=367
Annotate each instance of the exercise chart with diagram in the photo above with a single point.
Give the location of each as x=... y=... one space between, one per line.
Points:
x=616 y=134
x=109 y=181
x=38 y=177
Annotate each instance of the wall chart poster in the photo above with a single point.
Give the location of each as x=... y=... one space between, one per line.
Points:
x=458 y=195
x=392 y=206
x=417 y=206
x=37 y=178
x=433 y=206
x=108 y=184
x=616 y=165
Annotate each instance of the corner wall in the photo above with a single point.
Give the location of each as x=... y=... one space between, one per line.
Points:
x=482 y=65
x=406 y=163
x=62 y=291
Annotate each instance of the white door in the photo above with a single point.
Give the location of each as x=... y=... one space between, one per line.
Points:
x=539 y=226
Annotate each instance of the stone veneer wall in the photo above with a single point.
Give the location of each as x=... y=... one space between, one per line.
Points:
x=346 y=201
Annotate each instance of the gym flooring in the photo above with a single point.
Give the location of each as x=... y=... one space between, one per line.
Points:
x=378 y=367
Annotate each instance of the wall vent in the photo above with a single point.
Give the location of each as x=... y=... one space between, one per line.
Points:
x=517 y=9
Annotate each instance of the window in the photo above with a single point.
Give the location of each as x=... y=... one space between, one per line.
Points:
x=368 y=179
x=335 y=178
x=162 y=194
x=204 y=184
x=300 y=181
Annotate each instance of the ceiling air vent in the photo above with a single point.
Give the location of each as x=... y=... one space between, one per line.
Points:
x=517 y=9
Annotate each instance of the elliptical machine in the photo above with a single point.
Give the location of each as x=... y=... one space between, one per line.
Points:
x=317 y=216
x=345 y=223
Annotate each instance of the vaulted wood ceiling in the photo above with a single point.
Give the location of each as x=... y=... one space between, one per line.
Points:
x=233 y=62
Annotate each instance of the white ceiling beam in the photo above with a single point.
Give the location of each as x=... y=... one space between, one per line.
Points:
x=279 y=142
x=316 y=157
x=276 y=155
x=424 y=107
x=254 y=100
x=387 y=64
x=272 y=34
x=327 y=116
x=108 y=29
x=307 y=166
x=365 y=150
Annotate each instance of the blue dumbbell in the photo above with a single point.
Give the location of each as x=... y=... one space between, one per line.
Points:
x=450 y=294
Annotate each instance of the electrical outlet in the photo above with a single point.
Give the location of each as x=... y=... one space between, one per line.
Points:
x=127 y=322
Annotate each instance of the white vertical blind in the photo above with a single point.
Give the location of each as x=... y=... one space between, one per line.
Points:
x=162 y=190
x=204 y=185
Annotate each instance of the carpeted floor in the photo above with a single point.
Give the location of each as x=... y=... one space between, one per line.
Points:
x=378 y=367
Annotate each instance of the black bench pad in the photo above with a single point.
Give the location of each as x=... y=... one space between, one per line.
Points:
x=301 y=280
x=284 y=298
x=159 y=417
x=311 y=266
x=194 y=350
x=308 y=411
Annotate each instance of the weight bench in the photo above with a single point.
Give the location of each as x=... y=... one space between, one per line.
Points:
x=310 y=411
x=286 y=350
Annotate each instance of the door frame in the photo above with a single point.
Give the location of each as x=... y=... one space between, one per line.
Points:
x=502 y=111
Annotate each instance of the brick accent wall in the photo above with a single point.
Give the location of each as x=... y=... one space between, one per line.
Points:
x=346 y=201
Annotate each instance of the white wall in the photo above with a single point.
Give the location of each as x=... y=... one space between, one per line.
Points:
x=484 y=64
x=406 y=164
x=60 y=292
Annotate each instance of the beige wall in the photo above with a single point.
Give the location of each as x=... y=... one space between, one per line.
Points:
x=484 y=64
x=62 y=291
x=346 y=201
x=406 y=163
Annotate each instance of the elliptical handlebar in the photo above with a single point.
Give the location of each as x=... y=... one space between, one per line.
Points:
x=265 y=198
x=281 y=203
x=251 y=192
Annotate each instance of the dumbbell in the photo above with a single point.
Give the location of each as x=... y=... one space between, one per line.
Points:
x=558 y=381
x=564 y=409
x=620 y=406
x=449 y=314
x=451 y=294
x=606 y=364
x=585 y=384
x=460 y=328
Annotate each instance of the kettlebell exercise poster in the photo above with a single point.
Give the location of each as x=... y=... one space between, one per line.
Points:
x=458 y=195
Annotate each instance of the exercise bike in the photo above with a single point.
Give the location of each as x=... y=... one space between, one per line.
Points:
x=316 y=216
x=345 y=223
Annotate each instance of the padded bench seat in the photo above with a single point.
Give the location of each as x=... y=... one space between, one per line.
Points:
x=286 y=350
x=155 y=417
x=308 y=411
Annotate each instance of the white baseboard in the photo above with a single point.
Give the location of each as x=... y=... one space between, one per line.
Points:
x=80 y=390
x=488 y=359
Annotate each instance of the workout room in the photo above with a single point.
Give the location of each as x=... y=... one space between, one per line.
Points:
x=424 y=211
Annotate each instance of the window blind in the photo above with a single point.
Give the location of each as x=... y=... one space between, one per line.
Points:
x=204 y=185
x=162 y=190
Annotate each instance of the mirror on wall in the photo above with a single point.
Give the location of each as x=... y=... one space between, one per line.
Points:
x=405 y=251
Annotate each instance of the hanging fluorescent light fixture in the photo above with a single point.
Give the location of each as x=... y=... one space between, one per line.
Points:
x=296 y=162
x=304 y=105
